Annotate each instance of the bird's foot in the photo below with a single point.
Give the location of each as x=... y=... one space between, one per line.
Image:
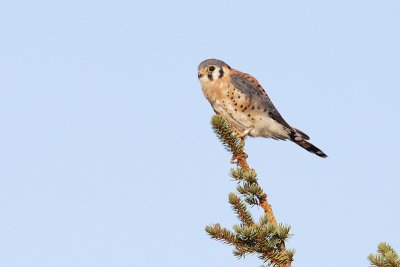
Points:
x=242 y=135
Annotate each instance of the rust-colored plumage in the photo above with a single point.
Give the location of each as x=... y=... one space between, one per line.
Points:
x=241 y=100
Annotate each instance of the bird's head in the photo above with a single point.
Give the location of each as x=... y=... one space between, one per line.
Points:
x=212 y=70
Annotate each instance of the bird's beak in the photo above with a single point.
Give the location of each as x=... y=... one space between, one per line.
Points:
x=201 y=73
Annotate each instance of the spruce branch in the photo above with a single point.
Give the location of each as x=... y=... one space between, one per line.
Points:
x=229 y=139
x=385 y=257
x=241 y=210
x=222 y=234
x=266 y=238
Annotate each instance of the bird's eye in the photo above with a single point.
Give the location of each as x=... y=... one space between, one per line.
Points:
x=212 y=68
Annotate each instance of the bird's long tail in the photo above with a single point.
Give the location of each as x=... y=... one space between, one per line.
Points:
x=299 y=140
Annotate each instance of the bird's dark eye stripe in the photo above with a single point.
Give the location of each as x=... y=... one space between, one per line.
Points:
x=221 y=73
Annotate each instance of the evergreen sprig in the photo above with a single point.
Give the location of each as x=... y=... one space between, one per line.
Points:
x=385 y=257
x=248 y=185
x=265 y=238
x=241 y=209
x=227 y=135
x=229 y=138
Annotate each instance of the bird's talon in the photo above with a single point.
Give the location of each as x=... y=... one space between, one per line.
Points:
x=243 y=141
x=244 y=134
x=241 y=135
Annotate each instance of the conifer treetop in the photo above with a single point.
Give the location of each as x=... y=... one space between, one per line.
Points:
x=265 y=238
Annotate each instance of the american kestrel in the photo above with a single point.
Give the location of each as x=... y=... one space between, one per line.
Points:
x=242 y=101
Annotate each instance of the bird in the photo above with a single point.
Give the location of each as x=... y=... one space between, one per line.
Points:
x=241 y=100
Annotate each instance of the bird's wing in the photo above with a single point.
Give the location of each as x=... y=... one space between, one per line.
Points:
x=249 y=86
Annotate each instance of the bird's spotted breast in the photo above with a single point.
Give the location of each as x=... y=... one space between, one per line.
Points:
x=241 y=100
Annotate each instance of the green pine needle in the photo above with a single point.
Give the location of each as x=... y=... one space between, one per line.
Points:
x=241 y=210
x=386 y=257
x=227 y=135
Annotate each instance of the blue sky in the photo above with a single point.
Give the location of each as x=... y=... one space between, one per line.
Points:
x=108 y=158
